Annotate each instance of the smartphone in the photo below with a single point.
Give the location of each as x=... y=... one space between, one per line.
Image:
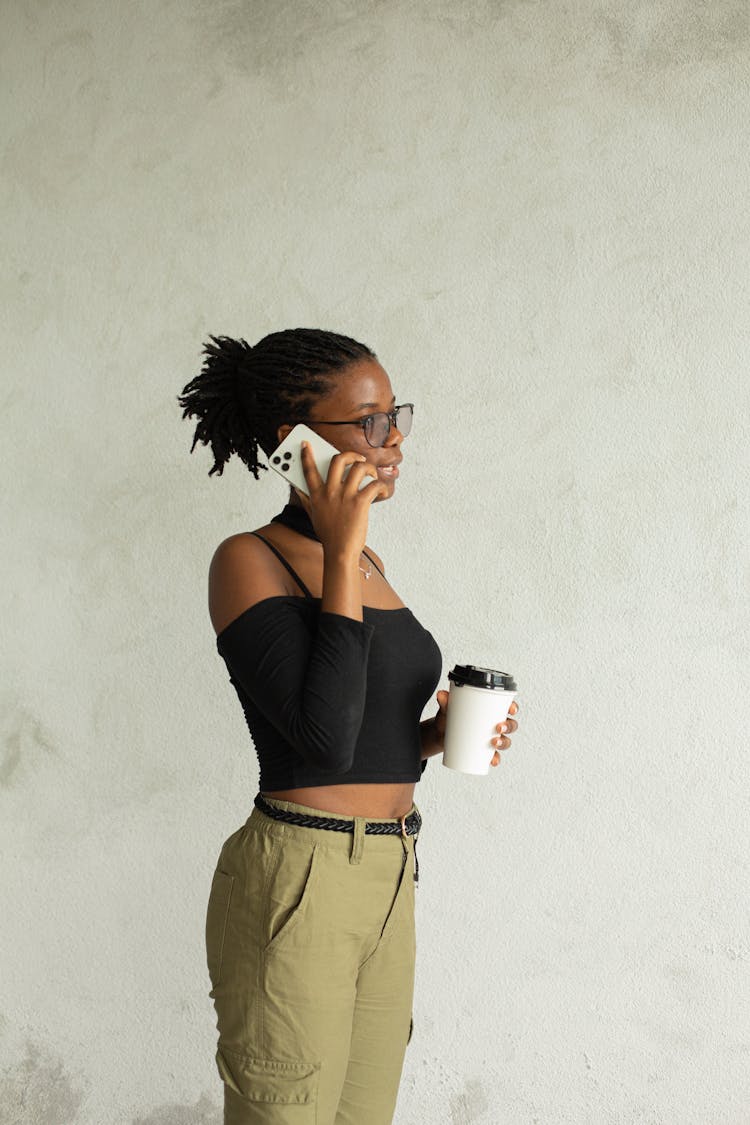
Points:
x=286 y=459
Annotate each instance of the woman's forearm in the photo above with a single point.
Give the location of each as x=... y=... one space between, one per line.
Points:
x=342 y=586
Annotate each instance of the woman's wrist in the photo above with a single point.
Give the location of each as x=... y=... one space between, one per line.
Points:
x=431 y=744
x=340 y=556
x=342 y=588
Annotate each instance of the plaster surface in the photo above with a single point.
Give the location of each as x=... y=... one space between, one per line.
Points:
x=537 y=215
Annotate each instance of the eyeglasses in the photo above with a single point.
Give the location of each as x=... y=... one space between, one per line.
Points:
x=377 y=427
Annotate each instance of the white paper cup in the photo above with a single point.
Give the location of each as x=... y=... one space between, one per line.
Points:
x=479 y=699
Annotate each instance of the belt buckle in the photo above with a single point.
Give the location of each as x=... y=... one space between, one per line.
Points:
x=404 y=833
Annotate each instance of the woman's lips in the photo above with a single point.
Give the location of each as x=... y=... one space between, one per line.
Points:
x=388 y=473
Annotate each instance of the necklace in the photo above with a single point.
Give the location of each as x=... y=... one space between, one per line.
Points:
x=295 y=517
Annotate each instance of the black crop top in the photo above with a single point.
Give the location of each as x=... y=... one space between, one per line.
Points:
x=329 y=700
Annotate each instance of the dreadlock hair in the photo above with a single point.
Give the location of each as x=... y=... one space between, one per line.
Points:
x=243 y=393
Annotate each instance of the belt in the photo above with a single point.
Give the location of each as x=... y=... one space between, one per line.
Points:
x=402 y=826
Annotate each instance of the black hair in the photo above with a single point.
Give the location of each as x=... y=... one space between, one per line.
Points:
x=243 y=393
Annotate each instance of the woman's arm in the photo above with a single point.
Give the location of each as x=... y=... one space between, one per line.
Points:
x=306 y=671
x=339 y=512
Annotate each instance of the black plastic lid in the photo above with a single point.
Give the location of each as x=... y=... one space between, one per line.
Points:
x=482 y=678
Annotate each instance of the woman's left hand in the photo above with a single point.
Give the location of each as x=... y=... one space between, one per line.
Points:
x=505 y=727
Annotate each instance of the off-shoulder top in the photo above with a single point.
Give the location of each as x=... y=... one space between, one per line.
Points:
x=329 y=700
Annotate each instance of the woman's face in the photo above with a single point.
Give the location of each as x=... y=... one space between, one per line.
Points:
x=362 y=388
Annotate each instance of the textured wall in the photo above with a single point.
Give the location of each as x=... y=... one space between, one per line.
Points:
x=537 y=214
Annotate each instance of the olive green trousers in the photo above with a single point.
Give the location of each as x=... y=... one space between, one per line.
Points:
x=310 y=944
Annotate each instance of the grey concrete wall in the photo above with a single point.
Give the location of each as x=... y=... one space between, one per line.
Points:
x=537 y=214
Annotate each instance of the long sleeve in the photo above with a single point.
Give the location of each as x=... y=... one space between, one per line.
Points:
x=306 y=672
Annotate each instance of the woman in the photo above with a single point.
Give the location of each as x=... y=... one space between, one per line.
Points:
x=310 y=924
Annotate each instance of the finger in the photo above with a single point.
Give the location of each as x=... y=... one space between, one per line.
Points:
x=495 y=759
x=305 y=501
x=359 y=471
x=502 y=743
x=310 y=468
x=507 y=726
x=370 y=492
x=338 y=464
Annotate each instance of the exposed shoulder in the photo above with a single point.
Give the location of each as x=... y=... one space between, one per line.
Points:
x=238 y=550
x=243 y=571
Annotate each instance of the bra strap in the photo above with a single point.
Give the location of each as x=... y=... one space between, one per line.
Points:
x=372 y=560
x=281 y=559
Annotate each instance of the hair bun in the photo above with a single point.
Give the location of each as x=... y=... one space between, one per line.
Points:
x=243 y=394
x=222 y=398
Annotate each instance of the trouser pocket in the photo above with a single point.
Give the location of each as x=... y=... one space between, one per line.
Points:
x=289 y=894
x=217 y=916
x=268 y=1091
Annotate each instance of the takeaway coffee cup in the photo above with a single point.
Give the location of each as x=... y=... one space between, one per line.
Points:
x=480 y=698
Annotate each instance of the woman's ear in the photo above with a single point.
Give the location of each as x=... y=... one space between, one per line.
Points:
x=283 y=431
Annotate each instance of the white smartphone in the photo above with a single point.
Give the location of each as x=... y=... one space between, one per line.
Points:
x=286 y=459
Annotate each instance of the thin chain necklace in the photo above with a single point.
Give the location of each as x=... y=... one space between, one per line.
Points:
x=295 y=517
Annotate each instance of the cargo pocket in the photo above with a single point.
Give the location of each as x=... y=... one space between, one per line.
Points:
x=288 y=896
x=271 y=1092
x=216 y=922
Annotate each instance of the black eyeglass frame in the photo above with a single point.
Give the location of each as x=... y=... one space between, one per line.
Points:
x=391 y=415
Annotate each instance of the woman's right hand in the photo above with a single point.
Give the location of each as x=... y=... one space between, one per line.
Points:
x=338 y=508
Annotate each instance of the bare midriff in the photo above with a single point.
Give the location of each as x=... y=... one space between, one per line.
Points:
x=376 y=800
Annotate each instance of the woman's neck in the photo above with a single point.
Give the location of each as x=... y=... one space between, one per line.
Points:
x=296 y=517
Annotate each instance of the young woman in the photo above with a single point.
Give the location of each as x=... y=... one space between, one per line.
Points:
x=310 y=924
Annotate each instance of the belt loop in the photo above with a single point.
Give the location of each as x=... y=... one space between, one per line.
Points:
x=358 y=839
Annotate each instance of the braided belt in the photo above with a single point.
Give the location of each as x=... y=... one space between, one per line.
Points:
x=404 y=826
